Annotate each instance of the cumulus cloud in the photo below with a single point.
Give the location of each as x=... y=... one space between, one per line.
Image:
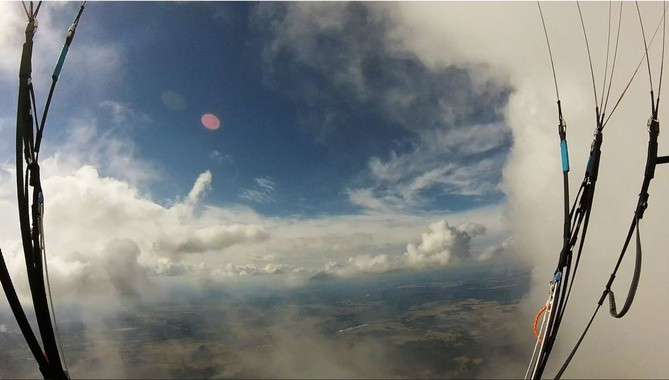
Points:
x=165 y=266
x=125 y=274
x=108 y=275
x=496 y=251
x=210 y=238
x=251 y=269
x=442 y=245
x=87 y=211
x=102 y=232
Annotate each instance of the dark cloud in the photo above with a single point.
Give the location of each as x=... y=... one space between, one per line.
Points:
x=125 y=273
x=339 y=58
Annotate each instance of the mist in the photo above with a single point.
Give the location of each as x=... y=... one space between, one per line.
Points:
x=165 y=288
x=629 y=347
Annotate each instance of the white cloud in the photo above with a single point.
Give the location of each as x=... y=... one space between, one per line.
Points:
x=210 y=238
x=91 y=62
x=11 y=34
x=452 y=115
x=109 y=150
x=265 y=183
x=251 y=269
x=124 y=114
x=95 y=189
x=371 y=264
x=509 y=37
x=369 y=201
x=202 y=184
x=219 y=157
x=442 y=245
x=464 y=161
x=167 y=267
x=106 y=237
x=102 y=233
x=89 y=215
x=496 y=251
x=262 y=192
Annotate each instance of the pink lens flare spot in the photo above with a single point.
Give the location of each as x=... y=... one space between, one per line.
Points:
x=210 y=122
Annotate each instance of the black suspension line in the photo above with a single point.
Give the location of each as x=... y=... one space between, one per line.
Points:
x=31 y=206
x=587 y=46
x=579 y=216
x=606 y=63
x=24 y=137
x=652 y=160
x=573 y=220
x=615 y=55
x=56 y=74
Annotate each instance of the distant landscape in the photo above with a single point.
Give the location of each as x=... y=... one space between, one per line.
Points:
x=438 y=324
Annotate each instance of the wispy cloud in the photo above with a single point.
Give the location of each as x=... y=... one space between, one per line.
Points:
x=453 y=136
x=445 y=162
x=262 y=192
x=219 y=157
x=123 y=114
x=110 y=149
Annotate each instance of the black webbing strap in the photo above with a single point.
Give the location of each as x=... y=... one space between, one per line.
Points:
x=32 y=252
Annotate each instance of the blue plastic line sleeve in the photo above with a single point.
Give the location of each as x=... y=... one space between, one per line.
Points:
x=558 y=276
x=565 y=156
x=61 y=60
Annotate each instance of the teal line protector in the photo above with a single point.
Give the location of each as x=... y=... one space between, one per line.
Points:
x=565 y=156
x=61 y=60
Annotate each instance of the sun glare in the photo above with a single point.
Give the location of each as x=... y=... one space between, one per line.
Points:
x=210 y=121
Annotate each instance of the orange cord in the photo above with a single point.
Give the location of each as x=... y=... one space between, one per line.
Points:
x=536 y=321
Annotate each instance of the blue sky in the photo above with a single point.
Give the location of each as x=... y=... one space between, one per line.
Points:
x=355 y=138
x=299 y=133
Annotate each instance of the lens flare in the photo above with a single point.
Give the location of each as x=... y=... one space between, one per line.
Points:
x=173 y=100
x=210 y=122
